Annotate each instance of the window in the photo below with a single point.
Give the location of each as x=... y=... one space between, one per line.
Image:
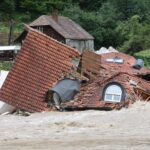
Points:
x=115 y=60
x=113 y=93
x=40 y=28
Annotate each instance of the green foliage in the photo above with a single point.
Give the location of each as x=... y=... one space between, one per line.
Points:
x=35 y=7
x=123 y=24
x=100 y=24
x=129 y=8
x=145 y=55
x=5 y=65
x=133 y=35
x=89 y=5
x=7 y=8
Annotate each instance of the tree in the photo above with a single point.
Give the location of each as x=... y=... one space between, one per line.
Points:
x=133 y=35
x=100 y=24
x=89 y=5
x=7 y=8
x=129 y=8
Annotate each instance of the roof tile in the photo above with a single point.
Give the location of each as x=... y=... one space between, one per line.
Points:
x=64 y=26
x=39 y=64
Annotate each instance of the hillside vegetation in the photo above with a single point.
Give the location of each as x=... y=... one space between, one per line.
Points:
x=123 y=24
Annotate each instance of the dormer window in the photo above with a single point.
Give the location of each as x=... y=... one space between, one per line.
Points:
x=115 y=60
x=113 y=92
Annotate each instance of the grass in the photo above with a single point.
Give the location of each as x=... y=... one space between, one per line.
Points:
x=6 y=65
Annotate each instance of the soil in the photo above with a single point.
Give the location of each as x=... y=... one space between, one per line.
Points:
x=80 y=130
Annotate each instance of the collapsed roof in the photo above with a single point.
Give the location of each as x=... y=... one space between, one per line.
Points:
x=114 y=82
x=41 y=62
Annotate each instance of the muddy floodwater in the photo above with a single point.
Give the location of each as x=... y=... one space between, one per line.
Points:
x=86 y=130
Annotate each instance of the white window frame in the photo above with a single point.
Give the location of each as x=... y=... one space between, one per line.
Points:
x=112 y=94
x=115 y=60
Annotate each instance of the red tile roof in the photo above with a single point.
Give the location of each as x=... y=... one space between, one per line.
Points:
x=64 y=26
x=40 y=63
x=91 y=95
x=126 y=66
x=128 y=60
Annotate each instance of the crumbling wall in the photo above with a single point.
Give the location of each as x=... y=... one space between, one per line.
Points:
x=90 y=64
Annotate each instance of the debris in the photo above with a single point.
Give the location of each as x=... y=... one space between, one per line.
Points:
x=112 y=85
x=104 y=50
x=6 y=108
x=90 y=64
x=139 y=64
x=111 y=49
x=49 y=75
x=22 y=113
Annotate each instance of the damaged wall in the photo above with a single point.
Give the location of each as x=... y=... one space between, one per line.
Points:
x=81 y=45
x=90 y=64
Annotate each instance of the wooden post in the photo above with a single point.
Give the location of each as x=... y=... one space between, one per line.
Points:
x=11 y=36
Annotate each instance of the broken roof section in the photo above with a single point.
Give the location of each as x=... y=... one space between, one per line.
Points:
x=64 y=26
x=108 y=74
x=40 y=63
x=120 y=62
x=92 y=95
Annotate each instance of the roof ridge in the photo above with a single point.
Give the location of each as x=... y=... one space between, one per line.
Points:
x=65 y=26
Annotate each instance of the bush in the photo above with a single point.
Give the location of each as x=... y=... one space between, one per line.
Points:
x=6 y=65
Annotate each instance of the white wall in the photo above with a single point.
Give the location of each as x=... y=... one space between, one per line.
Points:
x=81 y=45
x=4 y=107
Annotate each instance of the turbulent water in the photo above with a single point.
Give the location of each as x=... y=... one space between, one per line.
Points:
x=86 y=130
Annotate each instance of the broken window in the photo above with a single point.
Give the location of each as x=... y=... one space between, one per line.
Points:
x=115 y=60
x=113 y=93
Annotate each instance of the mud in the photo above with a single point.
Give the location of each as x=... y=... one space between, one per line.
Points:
x=86 y=130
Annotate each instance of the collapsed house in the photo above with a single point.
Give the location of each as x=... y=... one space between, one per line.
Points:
x=116 y=80
x=48 y=75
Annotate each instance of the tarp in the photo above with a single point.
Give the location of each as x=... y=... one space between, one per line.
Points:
x=66 y=89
